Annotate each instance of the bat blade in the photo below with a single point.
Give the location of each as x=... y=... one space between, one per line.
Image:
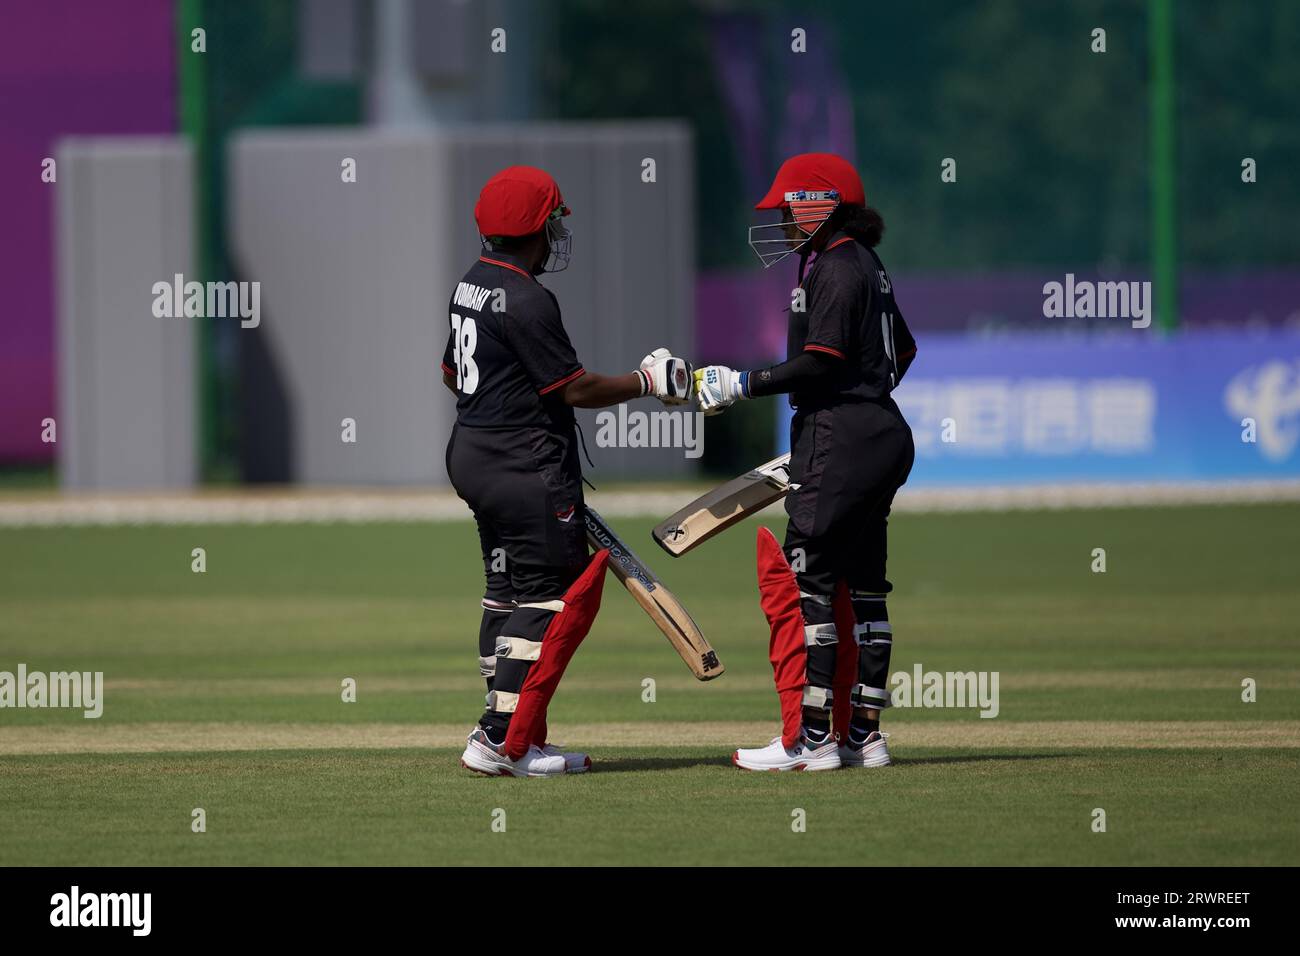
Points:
x=717 y=510
x=660 y=604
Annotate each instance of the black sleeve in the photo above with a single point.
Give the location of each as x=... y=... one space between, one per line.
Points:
x=804 y=371
x=540 y=342
x=904 y=346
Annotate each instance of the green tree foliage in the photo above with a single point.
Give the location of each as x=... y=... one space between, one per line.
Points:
x=1051 y=139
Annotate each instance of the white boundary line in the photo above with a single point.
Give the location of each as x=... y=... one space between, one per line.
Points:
x=362 y=506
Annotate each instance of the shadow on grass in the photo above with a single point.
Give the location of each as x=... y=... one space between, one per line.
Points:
x=977 y=758
x=636 y=764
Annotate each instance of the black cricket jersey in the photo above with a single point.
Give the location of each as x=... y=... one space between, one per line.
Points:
x=850 y=313
x=508 y=349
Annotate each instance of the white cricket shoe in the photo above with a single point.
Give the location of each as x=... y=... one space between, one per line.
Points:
x=483 y=756
x=802 y=756
x=573 y=762
x=873 y=752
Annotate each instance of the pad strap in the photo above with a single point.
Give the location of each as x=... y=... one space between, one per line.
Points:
x=876 y=698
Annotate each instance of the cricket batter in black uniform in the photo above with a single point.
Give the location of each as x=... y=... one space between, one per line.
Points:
x=824 y=592
x=513 y=458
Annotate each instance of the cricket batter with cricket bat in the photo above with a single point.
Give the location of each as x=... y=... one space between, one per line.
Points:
x=824 y=592
x=513 y=458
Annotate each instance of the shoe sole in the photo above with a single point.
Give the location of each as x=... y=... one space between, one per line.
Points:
x=805 y=766
x=503 y=772
x=875 y=761
x=493 y=769
x=484 y=773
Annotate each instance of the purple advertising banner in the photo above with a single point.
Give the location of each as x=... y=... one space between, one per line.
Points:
x=67 y=67
x=742 y=315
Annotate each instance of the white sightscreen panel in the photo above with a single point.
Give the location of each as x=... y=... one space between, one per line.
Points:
x=630 y=287
x=356 y=276
x=354 y=283
x=127 y=394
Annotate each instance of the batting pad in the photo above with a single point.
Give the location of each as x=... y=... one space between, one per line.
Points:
x=561 y=640
x=778 y=593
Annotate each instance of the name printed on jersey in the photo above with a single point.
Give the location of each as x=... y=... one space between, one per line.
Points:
x=470 y=296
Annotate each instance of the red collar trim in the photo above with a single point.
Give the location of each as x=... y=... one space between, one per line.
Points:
x=506 y=265
x=837 y=242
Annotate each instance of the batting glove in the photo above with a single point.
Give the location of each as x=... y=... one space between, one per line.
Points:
x=718 y=387
x=666 y=377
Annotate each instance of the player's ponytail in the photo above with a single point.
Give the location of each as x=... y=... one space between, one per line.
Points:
x=863 y=223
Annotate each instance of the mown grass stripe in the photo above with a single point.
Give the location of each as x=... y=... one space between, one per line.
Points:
x=171 y=737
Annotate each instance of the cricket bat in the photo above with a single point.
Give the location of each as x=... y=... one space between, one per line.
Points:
x=722 y=507
x=656 y=600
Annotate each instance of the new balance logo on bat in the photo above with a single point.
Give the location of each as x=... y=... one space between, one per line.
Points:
x=778 y=475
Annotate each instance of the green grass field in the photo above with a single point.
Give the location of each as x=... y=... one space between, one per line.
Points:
x=1119 y=691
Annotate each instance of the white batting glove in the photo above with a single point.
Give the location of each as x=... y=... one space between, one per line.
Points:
x=718 y=387
x=666 y=377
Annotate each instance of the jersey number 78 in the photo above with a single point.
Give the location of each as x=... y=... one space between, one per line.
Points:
x=464 y=340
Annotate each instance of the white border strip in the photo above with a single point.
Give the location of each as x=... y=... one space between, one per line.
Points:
x=352 y=507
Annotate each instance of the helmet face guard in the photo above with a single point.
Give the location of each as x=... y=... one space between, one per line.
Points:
x=808 y=211
x=559 y=240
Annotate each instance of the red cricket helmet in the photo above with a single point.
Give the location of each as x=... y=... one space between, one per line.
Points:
x=522 y=200
x=811 y=186
x=814 y=172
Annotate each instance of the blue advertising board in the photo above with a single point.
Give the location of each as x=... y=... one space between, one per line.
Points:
x=1023 y=409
